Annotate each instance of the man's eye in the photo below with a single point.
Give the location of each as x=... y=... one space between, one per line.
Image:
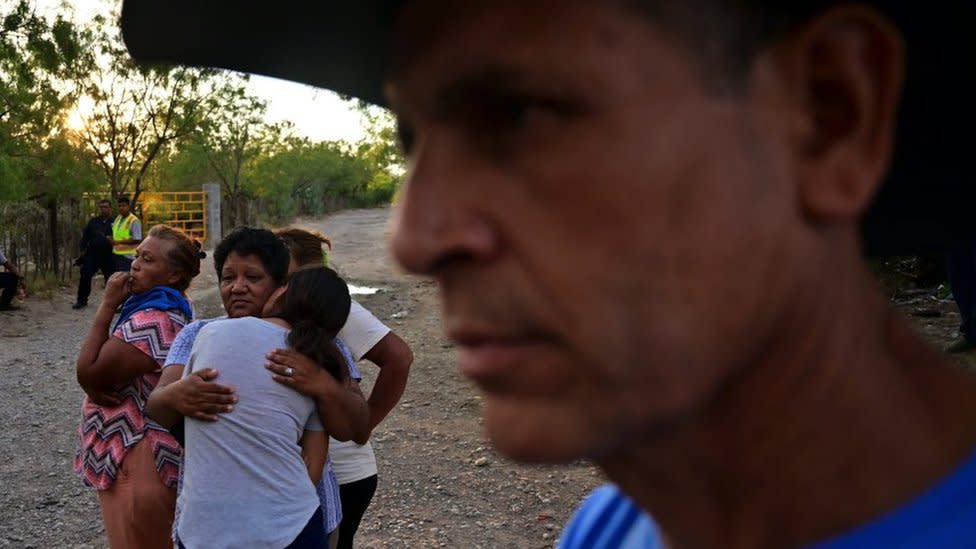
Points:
x=511 y=113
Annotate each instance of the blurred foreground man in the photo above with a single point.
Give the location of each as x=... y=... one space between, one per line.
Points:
x=644 y=220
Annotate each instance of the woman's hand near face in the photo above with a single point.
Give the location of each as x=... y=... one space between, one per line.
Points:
x=117 y=289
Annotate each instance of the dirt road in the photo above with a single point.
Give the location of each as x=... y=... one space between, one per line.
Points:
x=441 y=485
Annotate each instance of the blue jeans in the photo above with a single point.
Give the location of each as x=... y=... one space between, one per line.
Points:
x=311 y=537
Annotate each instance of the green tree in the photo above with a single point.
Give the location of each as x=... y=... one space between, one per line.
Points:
x=40 y=60
x=186 y=168
x=306 y=178
x=382 y=151
x=140 y=113
x=232 y=138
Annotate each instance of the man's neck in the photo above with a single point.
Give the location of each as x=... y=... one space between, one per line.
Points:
x=849 y=416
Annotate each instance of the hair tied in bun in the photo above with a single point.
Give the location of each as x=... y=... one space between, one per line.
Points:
x=200 y=253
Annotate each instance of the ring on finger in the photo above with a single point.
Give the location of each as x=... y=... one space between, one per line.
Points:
x=289 y=371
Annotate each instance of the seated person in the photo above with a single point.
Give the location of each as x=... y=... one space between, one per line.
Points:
x=249 y=478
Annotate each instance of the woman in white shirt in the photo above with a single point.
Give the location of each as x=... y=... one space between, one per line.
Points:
x=365 y=337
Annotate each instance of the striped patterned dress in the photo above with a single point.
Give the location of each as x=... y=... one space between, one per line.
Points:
x=107 y=433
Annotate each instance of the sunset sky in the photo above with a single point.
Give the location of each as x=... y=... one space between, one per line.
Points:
x=317 y=114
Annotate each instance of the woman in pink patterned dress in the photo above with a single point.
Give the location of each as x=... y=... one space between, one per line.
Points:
x=132 y=462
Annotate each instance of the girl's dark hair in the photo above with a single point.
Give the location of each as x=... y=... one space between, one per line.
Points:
x=183 y=257
x=199 y=246
x=260 y=243
x=316 y=304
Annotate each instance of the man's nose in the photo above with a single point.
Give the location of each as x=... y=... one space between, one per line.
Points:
x=439 y=219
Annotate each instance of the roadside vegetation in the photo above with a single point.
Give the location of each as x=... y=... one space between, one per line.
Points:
x=78 y=119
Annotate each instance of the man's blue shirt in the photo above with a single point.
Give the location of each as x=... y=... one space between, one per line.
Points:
x=942 y=517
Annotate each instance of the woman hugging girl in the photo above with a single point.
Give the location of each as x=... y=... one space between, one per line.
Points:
x=249 y=478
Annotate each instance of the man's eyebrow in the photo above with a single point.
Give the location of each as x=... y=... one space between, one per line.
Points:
x=488 y=81
x=484 y=81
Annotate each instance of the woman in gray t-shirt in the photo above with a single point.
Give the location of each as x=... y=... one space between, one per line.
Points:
x=249 y=478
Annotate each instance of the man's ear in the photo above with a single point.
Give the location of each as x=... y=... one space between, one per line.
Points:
x=846 y=69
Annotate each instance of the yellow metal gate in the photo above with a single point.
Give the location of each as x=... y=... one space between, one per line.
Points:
x=186 y=211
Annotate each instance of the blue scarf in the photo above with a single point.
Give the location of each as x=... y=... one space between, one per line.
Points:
x=161 y=297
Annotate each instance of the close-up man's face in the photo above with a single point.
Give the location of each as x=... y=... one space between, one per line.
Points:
x=606 y=229
x=123 y=209
x=105 y=209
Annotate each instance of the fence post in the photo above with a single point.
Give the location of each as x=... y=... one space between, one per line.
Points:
x=213 y=214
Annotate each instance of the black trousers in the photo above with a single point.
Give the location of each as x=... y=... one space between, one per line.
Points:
x=962 y=278
x=355 y=498
x=94 y=263
x=8 y=288
x=122 y=263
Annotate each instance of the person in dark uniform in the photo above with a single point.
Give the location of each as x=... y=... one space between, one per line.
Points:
x=962 y=279
x=96 y=252
x=10 y=280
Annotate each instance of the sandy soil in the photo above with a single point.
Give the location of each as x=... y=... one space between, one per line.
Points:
x=441 y=484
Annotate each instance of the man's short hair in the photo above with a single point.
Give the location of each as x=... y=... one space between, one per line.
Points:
x=123 y=200
x=726 y=35
x=104 y=201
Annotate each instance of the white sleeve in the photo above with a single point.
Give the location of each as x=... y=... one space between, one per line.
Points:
x=362 y=331
x=136 y=230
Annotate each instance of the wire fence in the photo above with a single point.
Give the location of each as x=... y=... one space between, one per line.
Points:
x=42 y=239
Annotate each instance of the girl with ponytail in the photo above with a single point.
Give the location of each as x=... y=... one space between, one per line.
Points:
x=316 y=303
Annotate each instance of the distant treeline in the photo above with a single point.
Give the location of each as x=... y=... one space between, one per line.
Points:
x=77 y=116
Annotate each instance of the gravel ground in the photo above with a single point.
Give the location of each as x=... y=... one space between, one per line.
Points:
x=441 y=484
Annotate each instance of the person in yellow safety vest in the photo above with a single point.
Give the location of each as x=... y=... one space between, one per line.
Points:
x=126 y=235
